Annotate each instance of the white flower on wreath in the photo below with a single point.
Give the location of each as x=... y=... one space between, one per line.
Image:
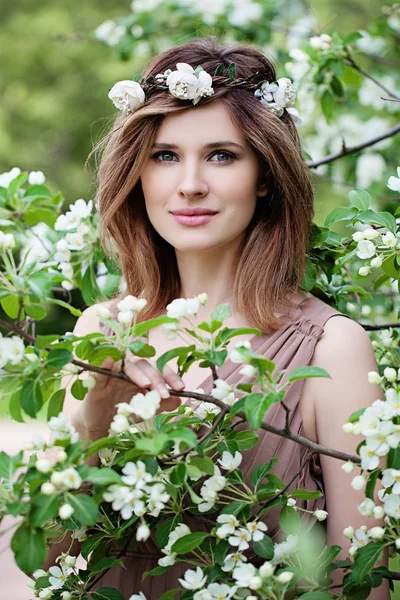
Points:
x=193 y=579
x=185 y=85
x=127 y=94
x=278 y=96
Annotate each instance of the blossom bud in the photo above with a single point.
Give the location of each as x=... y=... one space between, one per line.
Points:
x=348 y=427
x=39 y=573
x=375 y=344
x=255 y=582
x=366 y=310
x=65 y=511
x=390 y=374
x=359 y=482
x=8 y=241
x=103 y=313
x=67 y=285
x=89 y=383
x=348 y=466
x=125 y=317
x=397 y=542
x=365 y=270
x=364 y=528
x=267 y=569
x=143 y=532
x=66 y=596
x=284 y=577
x=248 y=371
x=47 y=488
x=371 y=234
x=348 y=532
x=202 y=298
x=45 y=594
x=70 y=561
x=62 y=456
x=376 y=533
x=366 y=507
x=356 y=428
x=43 y=465
x=291 y=502
x=379 y=512
x=377 y=261
x=374 y=377
x=352 y=550
x=358 y=236
x=320 y=514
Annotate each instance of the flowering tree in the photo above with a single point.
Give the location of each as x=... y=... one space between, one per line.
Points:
x=188 y=460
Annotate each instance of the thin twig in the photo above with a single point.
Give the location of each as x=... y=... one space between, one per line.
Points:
x=335 y=155
x=351 y=63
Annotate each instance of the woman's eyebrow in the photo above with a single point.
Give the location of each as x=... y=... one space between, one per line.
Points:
x=165 y=146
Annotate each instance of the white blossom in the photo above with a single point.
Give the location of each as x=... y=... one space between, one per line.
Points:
x=131 y=303
x=366 y=249
x=267 y=569
x=243 y=574
x=229 y=462
x=389 y=240
x=394 y=182
x=183 y=308
x=233 y=560
x=221 y=390
x=127 y=94
x=229 y=523
x=285 y=577
x=143 y=532
x=241 y=539
x=193 y=579
x=320 y=514
x=65 y=511
x=257 y=529
x=36 y=178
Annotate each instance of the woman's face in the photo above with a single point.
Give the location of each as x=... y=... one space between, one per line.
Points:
x=183 y=171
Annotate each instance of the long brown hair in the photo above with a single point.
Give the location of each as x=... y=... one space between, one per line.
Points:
x=272 y=259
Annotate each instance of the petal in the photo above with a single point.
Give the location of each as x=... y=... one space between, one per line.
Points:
x=185 y=67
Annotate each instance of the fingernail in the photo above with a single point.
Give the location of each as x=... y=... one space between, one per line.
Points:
x=163 y=391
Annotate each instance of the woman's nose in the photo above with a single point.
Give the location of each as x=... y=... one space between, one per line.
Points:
x=191 y=182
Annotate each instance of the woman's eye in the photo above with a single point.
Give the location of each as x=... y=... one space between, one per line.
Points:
x=227 y=156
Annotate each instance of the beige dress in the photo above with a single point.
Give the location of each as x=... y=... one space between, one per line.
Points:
x=290 y=347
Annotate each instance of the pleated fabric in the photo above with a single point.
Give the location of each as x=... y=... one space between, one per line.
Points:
x=290 y=347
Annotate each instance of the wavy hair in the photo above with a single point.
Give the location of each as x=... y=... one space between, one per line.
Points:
x=272 y=259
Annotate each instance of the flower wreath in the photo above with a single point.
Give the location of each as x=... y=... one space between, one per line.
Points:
x=186 y=83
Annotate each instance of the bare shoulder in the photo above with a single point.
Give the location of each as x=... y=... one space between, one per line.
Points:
x=89 y=321
x=345 y=351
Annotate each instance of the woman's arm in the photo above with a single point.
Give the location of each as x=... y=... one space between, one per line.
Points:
x=346 y=352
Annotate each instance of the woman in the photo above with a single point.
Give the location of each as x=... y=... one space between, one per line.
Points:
x=236 y=155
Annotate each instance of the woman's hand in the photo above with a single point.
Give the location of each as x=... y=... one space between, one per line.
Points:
x=93 y=416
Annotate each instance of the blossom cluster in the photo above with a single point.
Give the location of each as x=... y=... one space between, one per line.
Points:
x=144 y=406
x=73 y=241
x=367 y=248
x=57 y=577
x=142 y=494
x=12 y=350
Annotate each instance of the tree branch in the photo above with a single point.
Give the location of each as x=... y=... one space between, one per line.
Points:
x=350 y=150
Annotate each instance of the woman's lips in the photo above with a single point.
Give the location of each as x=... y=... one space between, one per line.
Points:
x=193 y=220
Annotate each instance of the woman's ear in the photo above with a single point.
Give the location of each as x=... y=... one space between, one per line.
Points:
x=262 y=190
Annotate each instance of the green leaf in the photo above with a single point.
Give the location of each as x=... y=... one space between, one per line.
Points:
x=153 y=445
x=328 y=104
x=15 y=407
x=182 y=351
x=205 y=464
x=232 y=71
x=74 y=311
x=139 y=348
x=256 y=405
x=10 y=305
x=185 y=434
x=307 y=373
x=360 y=199
x=103 y=476
x=107 y=593
x=90 y=544
x=289 y=520
x=35 y=311
x=390 y=267
x=57 y=359
x=155 y=571
x=340 y=213
x=9 y=464
x=29 y=548
x=43 y=508
x=90 y=290
x=306 y=494
x=141 y=328
x=316 y=596
x=40 y=283
x=30 y=399
x=85 y=509
x=356 y=415
x=246 y=440
x=310 y=276
x=221 y=313
x=227 y=334
x=372 y=479
x=163 y=530
x=365 y=559
x=105 y=563
x=378 y=218
x=259 y=472
x=56 y=404
x=78 y=390
x=178 y=474
x=264 y=548
x=189 y=542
